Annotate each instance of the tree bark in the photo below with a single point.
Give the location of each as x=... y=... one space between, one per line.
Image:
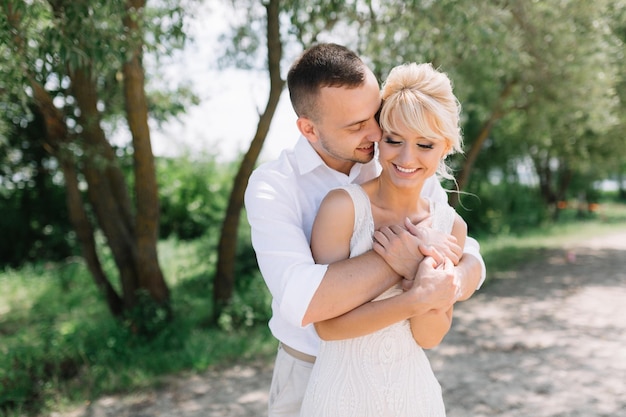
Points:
x=85 y=233
x=146 y=190
x=56 y=135
x=497 y=113
x=224 y=279
x=132 y=238
x=106 y=189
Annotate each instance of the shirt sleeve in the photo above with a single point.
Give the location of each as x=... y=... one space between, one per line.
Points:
x=282 y=248
x=433 y=190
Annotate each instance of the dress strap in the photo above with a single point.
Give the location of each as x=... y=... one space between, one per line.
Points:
x=363 y=228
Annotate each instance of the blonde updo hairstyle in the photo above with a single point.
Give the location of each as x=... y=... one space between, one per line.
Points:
x=420 y=98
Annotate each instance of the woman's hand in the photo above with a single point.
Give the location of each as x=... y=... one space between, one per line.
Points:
x=443 y=243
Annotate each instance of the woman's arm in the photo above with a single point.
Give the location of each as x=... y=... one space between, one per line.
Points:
x=429 y=329
x=330 y=242
x=368 y=318
x=435 y=290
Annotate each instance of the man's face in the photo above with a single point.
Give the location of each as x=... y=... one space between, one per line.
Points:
x=346 y=129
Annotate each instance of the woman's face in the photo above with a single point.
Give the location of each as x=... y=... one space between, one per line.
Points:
x=407 y=158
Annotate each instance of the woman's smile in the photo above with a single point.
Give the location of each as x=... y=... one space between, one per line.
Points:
x=405 y=170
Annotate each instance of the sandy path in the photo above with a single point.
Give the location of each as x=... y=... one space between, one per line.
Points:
x=548 y=339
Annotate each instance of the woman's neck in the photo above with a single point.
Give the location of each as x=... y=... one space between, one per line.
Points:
x=391 y=205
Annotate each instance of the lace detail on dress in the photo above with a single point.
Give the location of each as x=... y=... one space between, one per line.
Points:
x=443 y=216
x=383 y=374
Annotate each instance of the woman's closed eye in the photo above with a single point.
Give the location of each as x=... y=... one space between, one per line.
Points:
x=391 y=141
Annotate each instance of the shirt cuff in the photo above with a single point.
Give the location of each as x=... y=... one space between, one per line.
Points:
x=299 y=291
x=472 y=247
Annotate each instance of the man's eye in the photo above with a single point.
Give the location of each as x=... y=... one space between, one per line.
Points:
x=358 y=127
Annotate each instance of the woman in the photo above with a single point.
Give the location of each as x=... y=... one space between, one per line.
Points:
x=386 y=373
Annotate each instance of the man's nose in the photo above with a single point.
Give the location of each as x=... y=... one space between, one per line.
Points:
x=374 y=133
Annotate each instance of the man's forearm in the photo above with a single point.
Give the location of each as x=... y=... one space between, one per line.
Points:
x=348 y=284
x=469 y=271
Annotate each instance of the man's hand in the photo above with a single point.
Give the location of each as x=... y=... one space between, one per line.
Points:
x=443 y=243
x=435 y=284
x=431 y=252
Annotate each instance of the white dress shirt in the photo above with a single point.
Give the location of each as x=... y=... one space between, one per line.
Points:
x=282 y=199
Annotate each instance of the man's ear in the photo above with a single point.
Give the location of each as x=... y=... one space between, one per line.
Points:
x=307 y=128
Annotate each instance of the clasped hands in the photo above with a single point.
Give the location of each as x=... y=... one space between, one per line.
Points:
x=422 y=256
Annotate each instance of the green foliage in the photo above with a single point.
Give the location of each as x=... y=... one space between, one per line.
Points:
x=33 y=214
x=251 y=303
x=193 y=194
x=539 y=81
x=505 y=208
x=148 y=319
x=502 y=252
x=60 y=346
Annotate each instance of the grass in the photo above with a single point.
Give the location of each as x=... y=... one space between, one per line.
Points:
x=506 y=251
x=59 y=346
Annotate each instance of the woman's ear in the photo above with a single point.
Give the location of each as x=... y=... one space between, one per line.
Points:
x=307 y=128
x=448 y=149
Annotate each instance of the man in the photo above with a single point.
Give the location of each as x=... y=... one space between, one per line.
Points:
x=336 y=98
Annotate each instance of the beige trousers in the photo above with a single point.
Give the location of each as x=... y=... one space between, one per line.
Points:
x=289 y=382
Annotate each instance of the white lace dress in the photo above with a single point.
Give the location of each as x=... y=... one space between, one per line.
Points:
x=384 y=373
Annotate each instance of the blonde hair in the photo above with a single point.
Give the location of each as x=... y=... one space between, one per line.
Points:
x=420 y=98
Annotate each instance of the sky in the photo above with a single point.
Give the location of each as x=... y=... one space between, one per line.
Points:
x=225 y=120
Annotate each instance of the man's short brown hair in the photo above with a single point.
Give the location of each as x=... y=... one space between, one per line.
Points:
x=322 y=65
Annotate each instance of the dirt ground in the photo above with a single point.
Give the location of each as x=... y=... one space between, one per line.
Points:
x=548 y=339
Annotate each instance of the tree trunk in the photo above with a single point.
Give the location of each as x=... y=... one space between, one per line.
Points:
x=133 y=240
x=56 y=135
x=224 y=279
x=547 y=187
x=85 y=233
x=497 y=113
x=105 y=188
x=146 y=191
x=620 y=185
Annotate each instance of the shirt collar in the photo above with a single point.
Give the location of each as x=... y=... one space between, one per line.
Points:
x=308 y=160
x=306 y=157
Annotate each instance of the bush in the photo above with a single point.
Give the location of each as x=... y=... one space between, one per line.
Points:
x=61 y=345
x=193 y=195
x=502 y=209
x=33 y=214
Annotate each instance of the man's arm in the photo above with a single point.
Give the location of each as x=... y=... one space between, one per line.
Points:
x=303 y=291
x=434 y=290
x=331 y=235
x=348 y=284
x=470 y=273
x=470 y=269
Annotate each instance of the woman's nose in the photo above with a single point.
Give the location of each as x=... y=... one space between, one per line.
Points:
x=408 y=153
